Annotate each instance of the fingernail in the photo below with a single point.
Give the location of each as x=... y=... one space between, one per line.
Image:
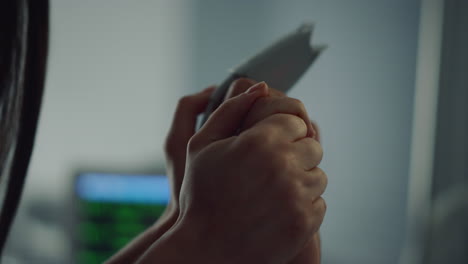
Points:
x=259 y=87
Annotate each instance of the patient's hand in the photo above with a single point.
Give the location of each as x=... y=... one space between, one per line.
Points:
x=182 y=129
x=277 y=102
x=236 y=183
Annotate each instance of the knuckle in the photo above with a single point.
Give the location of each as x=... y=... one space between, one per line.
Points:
x=260 y=140
x=317 y=151
x=297 y=121
x=324 y=206
x=298 y=105
x=290 y=120
x=321 y=207
x=194 y=144
x=297 y=102
x=249 y=141
x=319 y=180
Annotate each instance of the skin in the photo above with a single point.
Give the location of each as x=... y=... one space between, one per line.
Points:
x=277 y=102
x=200 y=213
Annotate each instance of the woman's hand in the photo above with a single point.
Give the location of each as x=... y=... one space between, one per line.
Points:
x=277 y=102
x=248 y=197
x=182 y=129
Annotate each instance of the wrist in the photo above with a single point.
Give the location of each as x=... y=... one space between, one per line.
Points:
x=182 y=243
x=310 y=254
x=195 y=239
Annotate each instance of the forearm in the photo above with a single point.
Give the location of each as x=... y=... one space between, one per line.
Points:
x=133 y=250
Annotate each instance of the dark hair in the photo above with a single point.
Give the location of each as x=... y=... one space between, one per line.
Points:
x=23 y=51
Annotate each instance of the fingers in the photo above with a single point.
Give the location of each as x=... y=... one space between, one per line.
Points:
x=309 y=153
x=239 y=86
x=318 y=209
x=225 y=121
x=280 y=127
x=183 y=124
x=277 y=102
x=316 y=181
x=268 y=106
x=242 y=84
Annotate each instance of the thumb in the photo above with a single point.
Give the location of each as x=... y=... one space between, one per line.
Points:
x=226 y=120
x=183 y=124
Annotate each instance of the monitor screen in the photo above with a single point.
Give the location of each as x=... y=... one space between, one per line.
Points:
x=114 y=208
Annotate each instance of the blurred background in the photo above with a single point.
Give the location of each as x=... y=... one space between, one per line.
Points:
x=117 y=68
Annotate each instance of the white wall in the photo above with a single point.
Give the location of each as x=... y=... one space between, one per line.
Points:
x=116 y=69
